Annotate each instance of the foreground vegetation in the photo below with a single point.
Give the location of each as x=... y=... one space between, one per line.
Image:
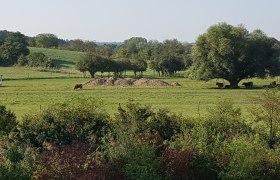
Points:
x=79 y=139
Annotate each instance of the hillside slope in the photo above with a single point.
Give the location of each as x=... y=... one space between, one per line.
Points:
x=63 y=58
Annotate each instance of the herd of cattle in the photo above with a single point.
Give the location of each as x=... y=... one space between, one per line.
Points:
x=247 y=85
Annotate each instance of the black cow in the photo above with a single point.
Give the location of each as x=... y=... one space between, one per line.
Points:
x=220 y=85
x=78 y=86
x=248 y=84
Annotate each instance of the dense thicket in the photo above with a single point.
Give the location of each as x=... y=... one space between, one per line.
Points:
x=78 y=139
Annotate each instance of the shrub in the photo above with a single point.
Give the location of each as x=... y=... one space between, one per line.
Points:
x=166 y=123
x=178 y=164
x=81 y=120
x=224 y=122
x=144 y=119
x=249 y=159
x=17 y=160
x=268 y=112
x=39 y=59
x=135 y=115
x=22 y=60
x=68 y=162
x=7 y=121
x=142 y=163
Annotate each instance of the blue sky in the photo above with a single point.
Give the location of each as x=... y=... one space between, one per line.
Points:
x=117 y=20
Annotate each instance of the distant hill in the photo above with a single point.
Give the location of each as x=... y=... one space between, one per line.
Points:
x=62 y=58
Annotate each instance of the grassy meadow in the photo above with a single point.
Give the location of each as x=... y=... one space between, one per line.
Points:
x=27 y=90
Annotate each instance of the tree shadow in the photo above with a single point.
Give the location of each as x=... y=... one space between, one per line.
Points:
x=60 y=63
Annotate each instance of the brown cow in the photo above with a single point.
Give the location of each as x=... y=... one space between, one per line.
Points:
x=248 y=84
x=78 y=86
x=220 y=85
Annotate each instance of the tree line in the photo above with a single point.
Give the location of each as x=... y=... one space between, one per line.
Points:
x=223 y=51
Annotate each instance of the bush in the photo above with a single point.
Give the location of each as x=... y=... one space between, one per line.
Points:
x=178 y=164
x=39 y=59
x=7 y=121
x=81 y=120
x=142 y=163
x=249 y=159
x=224 y=121
x=17 y=160
x=22 y=60
x=144 y=119
x=166 y=123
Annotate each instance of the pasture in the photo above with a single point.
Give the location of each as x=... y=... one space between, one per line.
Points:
x=25 y=90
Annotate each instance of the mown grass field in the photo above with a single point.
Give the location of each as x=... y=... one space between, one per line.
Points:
x=25 y=90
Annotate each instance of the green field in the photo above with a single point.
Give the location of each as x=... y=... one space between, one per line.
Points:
x=26 y=90
x=62 y=58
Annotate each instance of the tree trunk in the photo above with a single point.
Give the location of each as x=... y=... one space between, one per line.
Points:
x=92 y=74
x=234 y=83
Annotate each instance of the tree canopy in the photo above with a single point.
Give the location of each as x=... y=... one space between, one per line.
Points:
x=46 y=40
x=232 y=53
x=12 y=47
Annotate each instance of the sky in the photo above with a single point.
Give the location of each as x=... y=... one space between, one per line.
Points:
x=118 y=20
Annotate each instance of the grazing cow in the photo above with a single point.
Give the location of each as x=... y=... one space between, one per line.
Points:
x=78 y=86
x=248 y=84
x=220 y=85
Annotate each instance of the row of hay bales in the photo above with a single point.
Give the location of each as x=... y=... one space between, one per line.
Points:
x=129 y=82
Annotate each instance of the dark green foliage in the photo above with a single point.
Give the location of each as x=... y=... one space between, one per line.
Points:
x=247 y=158
x=144 y=119
x=268 y=112
x=39 y=59
x=167 y=57
x=80 y=141
x=81 y=120
x=17 y=160
x=165 y=123
x=80 y=45
x=232 y=53
x=224 y=122
x=12 y=48
x=22 y=60
x=46 y=41
x=94 y=63
x=142 y=164
x=7 y=121
x=91 y=63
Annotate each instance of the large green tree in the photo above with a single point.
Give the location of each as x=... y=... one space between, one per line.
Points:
x=232 y=53
x=12 y=47
x=92 y=63
x=46 y=40
x=168 y=57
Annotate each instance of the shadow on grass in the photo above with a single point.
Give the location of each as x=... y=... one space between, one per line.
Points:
x=243 y=88
x=59 y=63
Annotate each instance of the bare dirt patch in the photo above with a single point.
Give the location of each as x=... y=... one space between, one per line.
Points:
x=129 y=82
